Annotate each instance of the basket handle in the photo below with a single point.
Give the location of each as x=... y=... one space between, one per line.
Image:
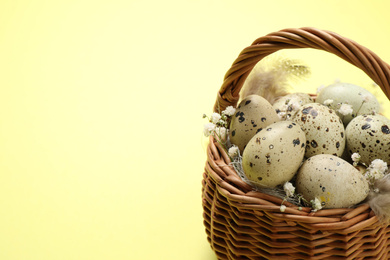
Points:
x=307 y=37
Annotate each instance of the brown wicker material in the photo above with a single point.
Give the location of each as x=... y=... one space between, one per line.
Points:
x=245 y=224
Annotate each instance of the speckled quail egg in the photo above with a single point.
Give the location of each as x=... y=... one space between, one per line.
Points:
x=273 y=155
x=252 y=115
x=361 y=100
x=369 y=136
x=288 y=105
x=332 y=180
x=323 y=128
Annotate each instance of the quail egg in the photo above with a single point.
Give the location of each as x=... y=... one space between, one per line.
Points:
x=273 y=155
x=252 y=115
x=323 y=128
x=332 y=180
x=369 y=136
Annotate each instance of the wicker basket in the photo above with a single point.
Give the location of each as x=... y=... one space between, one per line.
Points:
x=245 y=224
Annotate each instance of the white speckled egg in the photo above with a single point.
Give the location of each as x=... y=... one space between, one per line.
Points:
x=323 y=128
x=252 y=114
x=369 y=135
x=335 y=182
x=361 y=100
x=273 y=155
x=288 y=103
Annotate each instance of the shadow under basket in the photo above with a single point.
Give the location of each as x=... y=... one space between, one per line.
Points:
x=242 y=223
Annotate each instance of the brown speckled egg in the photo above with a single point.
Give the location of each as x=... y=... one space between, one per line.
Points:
x=332 y=180
x=252 y=115
x=325 y=133
x=369 y=135
x=273 y=155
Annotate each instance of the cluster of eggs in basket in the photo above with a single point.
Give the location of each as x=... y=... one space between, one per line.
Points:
x=313 y=143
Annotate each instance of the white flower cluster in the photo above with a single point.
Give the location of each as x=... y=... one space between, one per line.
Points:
x=365 y=97
x=355 y=158
x=289 y=109
x=342 y=108
x=215 y=117
x=233 y=151
x=208 y=129
x=316 y=204
x=229 y=111
x=376 y=170
x=289 y=189
x=328 y=102
x=218 y=124
x=345 y=109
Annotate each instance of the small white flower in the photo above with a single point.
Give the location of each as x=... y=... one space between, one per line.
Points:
x=372 y=175
x=345 y=109
x=282 y=208
x=208 y=129
x=233 y=151
x=229 y=111
x=215 y=117
x=328 y=102
x=355 y=157
x=221 y=132
x=376 y=170
x=379 y=165
x=316 y=204
x=366 y=98
x=289 y=189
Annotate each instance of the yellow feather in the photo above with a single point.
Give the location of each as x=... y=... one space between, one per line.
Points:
x=272 y=76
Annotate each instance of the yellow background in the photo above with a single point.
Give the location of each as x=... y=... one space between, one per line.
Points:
x=101 y=104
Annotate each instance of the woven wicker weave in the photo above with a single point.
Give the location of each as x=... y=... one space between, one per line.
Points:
x=245 y=224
